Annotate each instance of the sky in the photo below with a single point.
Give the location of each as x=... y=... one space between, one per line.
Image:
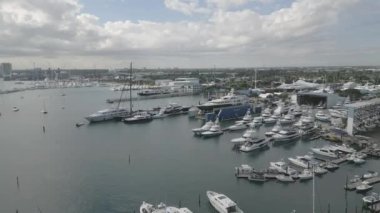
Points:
x=189 y=33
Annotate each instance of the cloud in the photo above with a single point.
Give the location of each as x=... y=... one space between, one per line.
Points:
x=186 y=7
x=58 y=29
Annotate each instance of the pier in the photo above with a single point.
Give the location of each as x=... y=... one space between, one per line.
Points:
x=371 y=181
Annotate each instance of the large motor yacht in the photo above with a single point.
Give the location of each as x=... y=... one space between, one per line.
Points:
x=286 y=135
x=253 y=144
x=161 y=208
x=222 y=203
x=108 y=114
x=324 y=151
x=229 y=100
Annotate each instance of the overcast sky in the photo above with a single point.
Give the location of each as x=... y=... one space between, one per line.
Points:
x=189 y=33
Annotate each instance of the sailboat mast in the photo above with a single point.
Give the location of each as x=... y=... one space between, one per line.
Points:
x=130 y=88
x=255 y=78
x=313 y=189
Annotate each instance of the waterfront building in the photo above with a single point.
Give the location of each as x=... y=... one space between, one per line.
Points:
x=362 y=116
x=319 y=99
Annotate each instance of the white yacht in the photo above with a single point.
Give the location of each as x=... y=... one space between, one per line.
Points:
x=286 y=135
x=15 y=109
x=341 y=148
x=253 y=144
x=250 y=133
x=371 y=199
x=222 y=203
x=161 y=208
x=266 y=113
x=324 y=151
x=160 y=114
x=321 y=116
x=257 y=121
x=270 y=120
x=108 y=114
x=214 y=131
x=247 y=117
x=287 y=119
x=204 y=128
x=229 y=100
x=282 y=167
x=306 y=174
x=300 y=162
x=274 y=131
x=238 y=126
x=370 y=174
x=319 y=170
x=363 y=187
x=141 y=117
x=284 y=178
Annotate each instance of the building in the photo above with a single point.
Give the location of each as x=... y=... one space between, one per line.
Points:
x=180 y=85
x=6 y=71
x=362 y=116
x=326 y=100
x=299 y=85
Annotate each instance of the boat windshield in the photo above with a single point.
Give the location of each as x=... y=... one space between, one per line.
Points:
x=231 y=209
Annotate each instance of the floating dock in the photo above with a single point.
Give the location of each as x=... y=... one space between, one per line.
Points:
x=371 y=181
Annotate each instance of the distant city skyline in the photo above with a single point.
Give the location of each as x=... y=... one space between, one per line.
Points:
x=189 y=33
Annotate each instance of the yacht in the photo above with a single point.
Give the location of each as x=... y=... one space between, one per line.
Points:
x=297 y=111
x=270 y=120
x=282 y=167
x=257 y=121
x=175 y=109
x=214 y=131
x=253 y=144
x=331 y=166
x=370 y=174
x=358 y=160
x=285 y=178
x=306 y=174
x=319 y=170
x=250 y=133
x=308 y=129
x=160 y=114
x=204 y=128
x=371 y=199
x=139 y=118
x=300 y=162
x=287 y=119
x=266 y=113
x=15 y=109
x=286 y=135
x=222 y=203
x=238 y=126
x=161 y=208
x=229 y=100
x=108 y=114
x=274 y=131
x=247 y=117
x=324 y=151
x=363 y=187
x=152 y=92
x=322 y=116
x=341 y=148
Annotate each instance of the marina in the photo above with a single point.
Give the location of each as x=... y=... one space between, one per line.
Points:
x=220 y=149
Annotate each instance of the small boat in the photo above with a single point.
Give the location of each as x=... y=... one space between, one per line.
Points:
x=359 y=161
x=363 y=187
x=79 y=124
x=319 y=170
x=204 y=128
x=214 y=131
x=355 y=179
x=243 y=171
x=160 y=114
x=321 y=116
x=253 y=144
x=341 y=148
x=284 y=178
x=371 y=199
x=331 y=166
x=282 y=167
x=15 y=109
x=257 y=177
x=138 y=118
x=161 y=208
x=222 y=203
x=306 y=174
x=370 y=174
x=324 y=151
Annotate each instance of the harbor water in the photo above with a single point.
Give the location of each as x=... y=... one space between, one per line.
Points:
x=114 y=167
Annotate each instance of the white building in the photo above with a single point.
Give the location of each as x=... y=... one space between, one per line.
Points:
x=6 y=70
x=362 y=116
x=180 y=85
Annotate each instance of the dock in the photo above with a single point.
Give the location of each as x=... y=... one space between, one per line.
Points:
x=113 y=100
x=371 y=181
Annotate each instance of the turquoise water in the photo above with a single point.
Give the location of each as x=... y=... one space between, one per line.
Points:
x=113 y=167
